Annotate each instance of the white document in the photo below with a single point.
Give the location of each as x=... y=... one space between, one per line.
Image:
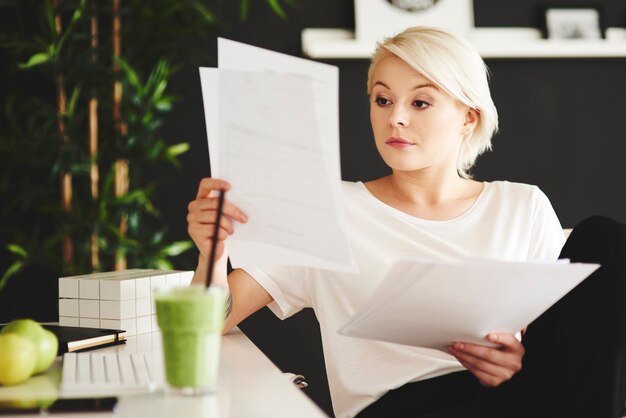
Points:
x=433 y=304
x=233 y=55
x=267 y=139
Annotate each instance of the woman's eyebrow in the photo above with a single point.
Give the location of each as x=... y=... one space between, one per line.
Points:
x=380 y=83
x=419 y=86
x=426 y=85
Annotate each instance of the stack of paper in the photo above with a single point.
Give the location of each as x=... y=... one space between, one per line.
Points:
x=433 y=304
x=117 y=299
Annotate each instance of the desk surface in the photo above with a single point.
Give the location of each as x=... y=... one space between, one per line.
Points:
x=250 y=386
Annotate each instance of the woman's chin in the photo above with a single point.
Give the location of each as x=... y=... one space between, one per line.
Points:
x=403 y=164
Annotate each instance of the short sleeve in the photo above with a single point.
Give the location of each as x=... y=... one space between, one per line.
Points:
x=547 y=234
x=286 y=284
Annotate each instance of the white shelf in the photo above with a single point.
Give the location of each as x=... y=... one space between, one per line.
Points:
x=490 y=43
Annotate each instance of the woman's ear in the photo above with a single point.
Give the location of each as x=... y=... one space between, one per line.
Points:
x=471 y=120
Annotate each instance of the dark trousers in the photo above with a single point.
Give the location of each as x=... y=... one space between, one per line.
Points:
x=575 y=362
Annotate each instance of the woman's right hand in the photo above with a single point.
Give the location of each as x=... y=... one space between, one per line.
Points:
x=202 y=214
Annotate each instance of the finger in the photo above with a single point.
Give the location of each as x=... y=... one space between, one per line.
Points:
x=212 y=203
x=475 y=364
x=208 y=184
x=201 y=231
x=207 y=219
x=487 y=379
x=482 y=376
x=507 y=348
x=204 y=244
x=507 y=342
x=507 y=357
x=491 y=361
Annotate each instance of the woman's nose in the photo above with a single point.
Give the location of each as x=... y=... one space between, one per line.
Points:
x=399 y=117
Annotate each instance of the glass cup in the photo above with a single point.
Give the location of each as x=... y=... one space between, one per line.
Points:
x=191 y=321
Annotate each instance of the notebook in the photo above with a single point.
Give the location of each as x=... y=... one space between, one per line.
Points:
x=74 y=339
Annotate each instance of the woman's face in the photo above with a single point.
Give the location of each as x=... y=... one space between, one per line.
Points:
x=416 y=124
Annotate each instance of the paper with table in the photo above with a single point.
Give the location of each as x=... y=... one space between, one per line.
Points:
x=272 y=128
x=432 y=304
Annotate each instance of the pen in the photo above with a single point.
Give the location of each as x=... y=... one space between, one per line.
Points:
x=220 y=205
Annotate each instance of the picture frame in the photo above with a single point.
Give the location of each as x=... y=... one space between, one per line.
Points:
x=576 y=22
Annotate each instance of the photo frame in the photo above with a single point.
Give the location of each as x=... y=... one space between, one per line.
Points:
x=564 y=22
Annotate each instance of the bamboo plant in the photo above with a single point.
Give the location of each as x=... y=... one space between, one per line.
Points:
x=74 y=149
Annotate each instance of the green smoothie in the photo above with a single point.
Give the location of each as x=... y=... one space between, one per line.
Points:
x=191 y=321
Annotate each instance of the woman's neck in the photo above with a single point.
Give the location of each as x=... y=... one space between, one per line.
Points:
x=427 y=196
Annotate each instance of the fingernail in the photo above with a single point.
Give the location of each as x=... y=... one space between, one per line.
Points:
x=459 y=346
x=493 y=337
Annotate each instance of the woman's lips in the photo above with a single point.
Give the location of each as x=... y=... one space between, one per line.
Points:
x=399 y=143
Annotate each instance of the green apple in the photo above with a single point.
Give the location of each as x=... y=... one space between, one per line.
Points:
x=17 y=359
x=46 y=343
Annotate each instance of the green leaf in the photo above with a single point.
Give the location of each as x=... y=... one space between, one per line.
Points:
x=277 y=8
x=133 y=222
x=178 y=149
x=37 y=59
x=79 y=168
x=131 y=74
x=163 y=264
x=160 y=88
x=73 y=99
x=164 y=104
x=155 y=151
x=11 y=271
x=244 y=6
x=206 y=14
x=78 y=13
x=157 y=238
x=50 y=17
x=17 y=250
x=177 y=248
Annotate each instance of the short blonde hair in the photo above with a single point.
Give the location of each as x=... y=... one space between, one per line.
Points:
x=452 y=64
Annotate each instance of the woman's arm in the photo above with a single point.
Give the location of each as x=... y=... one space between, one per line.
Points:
x=246 y=295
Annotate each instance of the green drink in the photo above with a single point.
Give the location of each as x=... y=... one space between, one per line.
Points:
x=191 y=321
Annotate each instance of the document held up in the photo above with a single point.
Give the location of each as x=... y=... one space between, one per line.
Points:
x=274 y=136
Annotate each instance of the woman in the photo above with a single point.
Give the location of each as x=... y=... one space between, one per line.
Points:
x=432 y=115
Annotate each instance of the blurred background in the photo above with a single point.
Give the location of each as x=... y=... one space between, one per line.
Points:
x=103 y=140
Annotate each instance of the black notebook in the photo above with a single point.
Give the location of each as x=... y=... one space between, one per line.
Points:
x=74 y=339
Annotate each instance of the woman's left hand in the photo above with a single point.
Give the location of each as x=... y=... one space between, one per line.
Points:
x=492 y=366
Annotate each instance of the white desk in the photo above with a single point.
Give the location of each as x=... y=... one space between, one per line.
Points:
x=250 y=386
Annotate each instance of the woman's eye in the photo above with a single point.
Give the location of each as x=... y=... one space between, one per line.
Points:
x=381 y=101
x=420 y=104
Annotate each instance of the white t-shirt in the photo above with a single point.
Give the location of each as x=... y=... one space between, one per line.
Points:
x=508 y=221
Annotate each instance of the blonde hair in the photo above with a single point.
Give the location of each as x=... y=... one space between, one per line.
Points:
x=452 y=64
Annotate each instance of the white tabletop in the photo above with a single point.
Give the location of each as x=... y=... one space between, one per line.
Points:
x=250 y=386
